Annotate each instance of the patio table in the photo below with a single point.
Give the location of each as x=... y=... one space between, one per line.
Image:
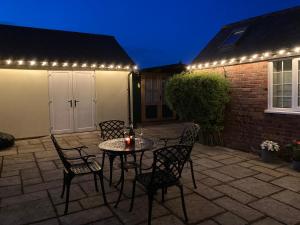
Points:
x=119 y=147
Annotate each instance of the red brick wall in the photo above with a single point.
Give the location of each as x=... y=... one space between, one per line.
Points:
x=246 y=123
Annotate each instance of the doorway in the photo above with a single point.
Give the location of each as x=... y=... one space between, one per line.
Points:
x=154 y=107
x=72 y=101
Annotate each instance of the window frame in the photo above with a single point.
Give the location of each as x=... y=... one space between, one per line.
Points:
x=295 y=109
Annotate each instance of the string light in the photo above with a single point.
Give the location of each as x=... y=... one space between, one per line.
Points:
x=44 y=63
x=20 y=62
x=102 y=66
x=93 y=65
x=74 y=65
x=254 y=57
x=135 y=67
x=126 y=67
x=84 y=65
x=65 y=64
x=54 y=64
x=8 y=61
x=32 y=63
x=111 y=66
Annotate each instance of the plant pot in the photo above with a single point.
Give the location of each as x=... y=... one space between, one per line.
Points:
x=268 y=156
x=296 y=165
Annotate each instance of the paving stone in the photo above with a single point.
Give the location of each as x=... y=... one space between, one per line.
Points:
x=235 y=194
x=289 y=182
x=75 y=194
x=217 y=175
x=31 y=148
x=288 y=197
x=267 y=221
x=264 y=177
x=236 y=171
x=198 y=208
x=230 y=219
x=263 y=164
x=109 y=221
x=50 y=175
x=232 y=160
x=42 y=186
x=208 y=222
x=220 y=157
x=8 y=191
x=255 y=187
x=239 y=209
x=210 y=181
x=245 y=164
x=8 y=181
x=27 y=212
x=280 y=211
x=18 y=166
x=268 y=171
x=173 y=192
x=10 y=151
x=165 y=220
x=208 y=192
x=10 y=173
x=74 y=206
x=32 y=181
x=20 y=158
x=209 y=163
x=48 y=165
x=47 y=222
x=86 y=216
x=30 y=173
x=23 y=198
x=288 y=170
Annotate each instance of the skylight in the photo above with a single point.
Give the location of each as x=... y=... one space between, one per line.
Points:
x=234 y=36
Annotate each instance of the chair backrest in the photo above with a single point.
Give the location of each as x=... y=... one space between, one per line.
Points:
x=112 y=129
x=189 y=135
x=61 y=155
x=171 y=160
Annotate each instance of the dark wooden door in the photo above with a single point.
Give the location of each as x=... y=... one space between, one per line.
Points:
x=154 y=107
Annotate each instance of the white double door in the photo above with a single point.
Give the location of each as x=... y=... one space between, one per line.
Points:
x=72 y=101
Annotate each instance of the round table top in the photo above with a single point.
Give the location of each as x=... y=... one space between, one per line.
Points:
x=118 y=145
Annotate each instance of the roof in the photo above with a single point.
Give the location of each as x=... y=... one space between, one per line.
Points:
x=166 y=69
x=43 y=44
x=268 y=32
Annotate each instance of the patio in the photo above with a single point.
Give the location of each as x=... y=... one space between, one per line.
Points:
x=234 y=188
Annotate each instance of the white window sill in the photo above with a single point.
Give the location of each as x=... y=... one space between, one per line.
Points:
x=278 y=111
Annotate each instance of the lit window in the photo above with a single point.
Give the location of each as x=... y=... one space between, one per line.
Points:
x=234 y=37
x=284 y=86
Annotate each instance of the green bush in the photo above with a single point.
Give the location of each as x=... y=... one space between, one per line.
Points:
x=200 y=97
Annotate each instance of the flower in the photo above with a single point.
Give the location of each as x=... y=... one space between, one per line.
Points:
x=270 y=146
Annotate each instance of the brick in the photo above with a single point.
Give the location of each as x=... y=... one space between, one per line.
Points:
x=229 y=219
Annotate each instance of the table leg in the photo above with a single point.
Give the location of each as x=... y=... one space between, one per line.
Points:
x=121 y=180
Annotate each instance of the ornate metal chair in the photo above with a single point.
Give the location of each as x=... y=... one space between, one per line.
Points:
x=167 y=166
x=111 y=129
x=188 y=137
x=76 y=166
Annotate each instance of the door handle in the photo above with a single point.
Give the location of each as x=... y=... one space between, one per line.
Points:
x=75 y=102
x=71 y=104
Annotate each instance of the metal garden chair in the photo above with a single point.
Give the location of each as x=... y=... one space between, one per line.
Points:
x=82 y=164
x=111 y=129
x=167 y=166
x=188 y=137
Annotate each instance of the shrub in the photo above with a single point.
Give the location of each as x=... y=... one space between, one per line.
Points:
x=200 y=97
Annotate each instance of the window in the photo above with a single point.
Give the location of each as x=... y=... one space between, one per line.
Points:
x=284 y=86
x=234 y=37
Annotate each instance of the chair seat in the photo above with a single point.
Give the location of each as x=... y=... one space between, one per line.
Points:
x=160 y=180
x=82 y=168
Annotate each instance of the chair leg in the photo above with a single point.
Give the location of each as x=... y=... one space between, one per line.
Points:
x=183 y=203
x=96 y=185
x=68 y=184
x=132 y=195
x=64 y=186
x=102 y=187
x=163 y=195
x=192 y=172
x=150 y=202
x=103 y=159
x=111 y=161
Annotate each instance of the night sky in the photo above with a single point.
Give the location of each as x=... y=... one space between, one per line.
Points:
x=155 y=32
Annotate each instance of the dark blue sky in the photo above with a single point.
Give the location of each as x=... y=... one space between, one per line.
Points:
x=153 y=32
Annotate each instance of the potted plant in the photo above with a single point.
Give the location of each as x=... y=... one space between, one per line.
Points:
x=295 y=153
x=268 y=150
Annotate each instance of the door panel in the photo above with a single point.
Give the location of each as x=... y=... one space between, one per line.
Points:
x=84 y=100
x=60 y=92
